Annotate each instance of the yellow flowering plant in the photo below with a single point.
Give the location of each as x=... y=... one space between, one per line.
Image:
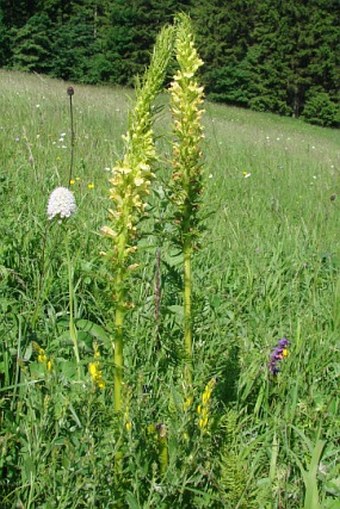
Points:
x=130 y=186
x=203 y=409
x=42 y=357
x=95 y=369
x=186 y=109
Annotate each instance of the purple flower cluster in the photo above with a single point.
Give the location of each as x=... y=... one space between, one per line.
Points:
x=278 y=353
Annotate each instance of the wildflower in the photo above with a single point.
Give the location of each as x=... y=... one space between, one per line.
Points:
x=72 y=182
x=203 y=409
x=42 y=357
x=90 y=185
x=61 y=203
x=95 y=371
x=279 y=352
x=70 y=91
x=188 y=402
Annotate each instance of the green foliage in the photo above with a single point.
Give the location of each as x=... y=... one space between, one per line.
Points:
x=32 y=46
x=319 y=109
x=223 y=33
x=4 y=41
x=235 y=472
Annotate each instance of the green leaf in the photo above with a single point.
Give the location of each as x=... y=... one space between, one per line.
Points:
x=95 y=330
x=132 y=501
x=28 y=352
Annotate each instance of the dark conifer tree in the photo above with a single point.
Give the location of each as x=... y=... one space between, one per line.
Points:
x=266 y=60
x=4 y=41
x=74 y=36
x=31 y=45
x=223 y=32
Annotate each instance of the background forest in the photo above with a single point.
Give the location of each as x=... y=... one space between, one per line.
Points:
x=267 y=55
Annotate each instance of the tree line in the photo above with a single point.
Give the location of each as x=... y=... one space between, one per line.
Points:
x=268 y=55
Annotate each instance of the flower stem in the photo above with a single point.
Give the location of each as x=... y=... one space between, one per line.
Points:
x=118 y=345
x=72 y=139
x=119 y=321
x=41 y=280
x=72 y=326
x=187 y=311
x=163 y=449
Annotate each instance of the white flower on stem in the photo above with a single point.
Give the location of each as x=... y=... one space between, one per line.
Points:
x=61 y=203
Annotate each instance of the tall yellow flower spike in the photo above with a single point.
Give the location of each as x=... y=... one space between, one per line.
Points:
x=186 y=109
x=130 y=186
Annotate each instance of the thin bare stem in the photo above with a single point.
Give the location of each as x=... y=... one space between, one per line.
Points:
x=70 y=93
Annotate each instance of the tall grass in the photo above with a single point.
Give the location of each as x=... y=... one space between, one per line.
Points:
x=268 y=267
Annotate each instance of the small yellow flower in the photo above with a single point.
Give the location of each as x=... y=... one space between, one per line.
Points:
x=188 y=402
x=108 y=232
x=95 y=371
x=72 y=182
x=42 y=357
x=138 y=181
x=90 y=185
x=203 y=409
x=203 y=422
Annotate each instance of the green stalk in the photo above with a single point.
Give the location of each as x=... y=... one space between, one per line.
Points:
x=72 y=326
x=41 y=280
x=187 y=311
x=163 y=449
x=119 y=321
x=70 y=92
x=118 y=344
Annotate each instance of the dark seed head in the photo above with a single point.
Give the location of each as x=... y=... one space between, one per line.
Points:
x=70 y=91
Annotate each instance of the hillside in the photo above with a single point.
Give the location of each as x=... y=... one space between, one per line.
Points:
x=267 y=267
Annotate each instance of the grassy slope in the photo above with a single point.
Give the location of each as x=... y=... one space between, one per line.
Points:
x=269 y=264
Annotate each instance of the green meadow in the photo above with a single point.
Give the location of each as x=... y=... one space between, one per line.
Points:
x=267 y=267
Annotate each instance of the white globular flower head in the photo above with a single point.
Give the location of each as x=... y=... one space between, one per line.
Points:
x=61 y=203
